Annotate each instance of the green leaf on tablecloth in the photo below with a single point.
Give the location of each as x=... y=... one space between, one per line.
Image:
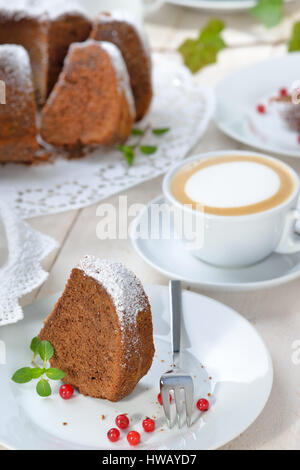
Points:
x=200 y=52
x=269 y=12
x=294 y=42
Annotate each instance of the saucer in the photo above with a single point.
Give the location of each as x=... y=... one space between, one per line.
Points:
x=169 y=257
x=230 y=364
x=238 y=96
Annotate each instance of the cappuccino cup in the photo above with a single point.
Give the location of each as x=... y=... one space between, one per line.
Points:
x=241 y=206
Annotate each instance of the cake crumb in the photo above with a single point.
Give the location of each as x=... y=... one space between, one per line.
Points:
x=209 y=394
x=65 y=424
x=103 y=417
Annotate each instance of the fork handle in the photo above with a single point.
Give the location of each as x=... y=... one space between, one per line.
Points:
x=176 y=310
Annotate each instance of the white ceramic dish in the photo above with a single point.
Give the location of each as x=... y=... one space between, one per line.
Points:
x=176 y=263
x=223 y=5
x=239 y=93
x=214 y=335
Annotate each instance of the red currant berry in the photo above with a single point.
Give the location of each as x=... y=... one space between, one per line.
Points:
x=148 y=425
x=66 y=391
x=283 y=92
x=113 y=435
x=203 y=404
x=261 y=109
x=122 y=421
x=133 y=438
x=160 y=399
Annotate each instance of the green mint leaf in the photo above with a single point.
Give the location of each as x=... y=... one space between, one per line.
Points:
x=294 y=42
x=137 y=132
x=35 y=345
x=148 y=149
x=43 y=388
x=269 y=12
x=22 y=376
x=198 y=53
x=161 y=131
x=128 y=152
x=55 y=374
x=36 y=372
x=45 y=350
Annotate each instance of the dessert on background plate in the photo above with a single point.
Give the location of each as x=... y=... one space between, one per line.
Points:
x=101 y=330
x=275 y=119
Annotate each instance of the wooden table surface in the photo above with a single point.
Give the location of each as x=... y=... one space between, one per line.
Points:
x=275 y=312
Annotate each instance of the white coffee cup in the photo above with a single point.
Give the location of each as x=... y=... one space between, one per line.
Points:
x=138 y=8
x=243 y=240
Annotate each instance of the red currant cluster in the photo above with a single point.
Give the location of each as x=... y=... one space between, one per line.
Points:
x=133 y=437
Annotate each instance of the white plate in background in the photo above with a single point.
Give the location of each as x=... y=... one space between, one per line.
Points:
x=223 y=5
x=240 y=92
x=213 y=335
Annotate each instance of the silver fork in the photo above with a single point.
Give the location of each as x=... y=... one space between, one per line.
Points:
x=176 y=379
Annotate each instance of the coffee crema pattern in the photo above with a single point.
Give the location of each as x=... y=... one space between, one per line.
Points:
x=233 y=185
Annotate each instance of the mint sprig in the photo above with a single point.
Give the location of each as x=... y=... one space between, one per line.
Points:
x=24 y=375
x=129 y=150
x=269 y=12
x=202 y=51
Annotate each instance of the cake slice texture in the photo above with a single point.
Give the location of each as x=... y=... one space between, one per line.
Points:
x=92 y=103
x=18 y=130
x=121 y=29
x=101 y=330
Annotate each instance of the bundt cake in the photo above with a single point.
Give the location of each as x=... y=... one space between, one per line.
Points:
x=18 y=130
x=92 y=102
x=46 y=29
x=101 y=330
x=121 y=29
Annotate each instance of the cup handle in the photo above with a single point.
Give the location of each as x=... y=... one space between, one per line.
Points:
x=151 y=6
x=290 y=241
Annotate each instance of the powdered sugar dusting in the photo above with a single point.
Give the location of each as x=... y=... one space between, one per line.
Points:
x=43 y=9
x=121 y=71
x=118 y=64
x=121 y=284
x=15 y=68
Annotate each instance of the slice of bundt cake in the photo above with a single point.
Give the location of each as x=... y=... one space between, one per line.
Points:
x=122 y=30
x=46 y=30
x=92 y=102
x=101 y=330
x=18 y=131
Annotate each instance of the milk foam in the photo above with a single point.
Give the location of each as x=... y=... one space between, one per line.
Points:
x=232 y=184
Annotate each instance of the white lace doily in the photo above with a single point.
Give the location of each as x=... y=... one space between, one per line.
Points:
x=178 y=103
x=21 y=251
